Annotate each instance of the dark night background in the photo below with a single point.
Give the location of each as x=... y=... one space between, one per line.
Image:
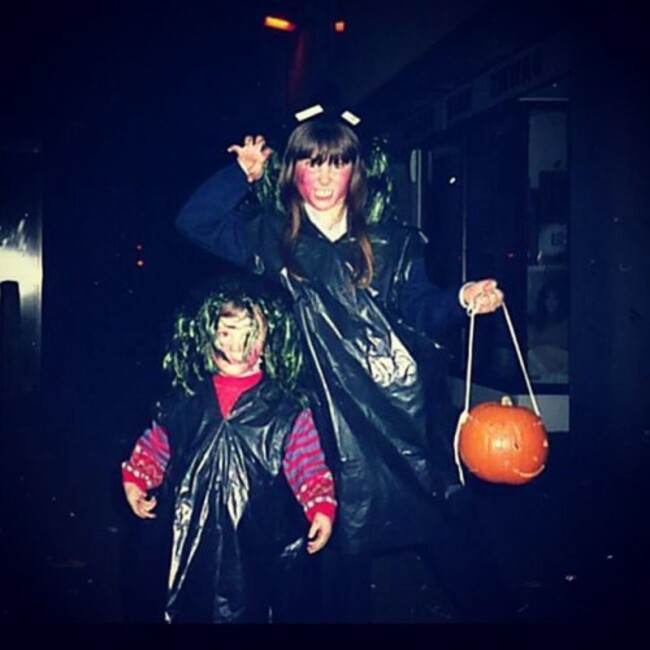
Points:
x=131 y=106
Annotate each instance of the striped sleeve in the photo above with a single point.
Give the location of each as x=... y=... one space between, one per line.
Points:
x=306 y=471
x=148 y=461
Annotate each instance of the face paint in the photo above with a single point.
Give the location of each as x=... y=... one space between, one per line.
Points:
x=239 y=340
x=323 y=186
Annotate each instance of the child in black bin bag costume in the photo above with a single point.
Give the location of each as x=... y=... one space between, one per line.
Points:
x=366 y=310
x=229 y=447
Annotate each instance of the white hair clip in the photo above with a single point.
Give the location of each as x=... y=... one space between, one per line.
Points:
x=350 y=117
x=317 y=109
x=306 y=113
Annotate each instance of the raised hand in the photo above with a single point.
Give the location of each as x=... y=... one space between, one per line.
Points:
x=252 y=156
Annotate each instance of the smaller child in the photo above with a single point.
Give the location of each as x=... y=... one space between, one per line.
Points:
x=239 y=464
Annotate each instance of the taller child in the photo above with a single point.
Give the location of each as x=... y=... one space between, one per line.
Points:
x=364 y=304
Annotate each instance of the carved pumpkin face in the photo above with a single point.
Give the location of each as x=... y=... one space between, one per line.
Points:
x=502 y=443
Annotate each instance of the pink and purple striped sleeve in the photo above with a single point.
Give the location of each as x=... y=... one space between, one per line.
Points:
x=304 y=467
x=148 y=461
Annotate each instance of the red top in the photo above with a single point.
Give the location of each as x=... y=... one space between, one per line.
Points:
x=228 y=389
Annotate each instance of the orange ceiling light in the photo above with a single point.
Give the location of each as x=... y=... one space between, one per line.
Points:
x=339 y=26
x=275 y=22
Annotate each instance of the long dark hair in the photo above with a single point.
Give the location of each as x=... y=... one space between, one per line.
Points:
x=333 y=142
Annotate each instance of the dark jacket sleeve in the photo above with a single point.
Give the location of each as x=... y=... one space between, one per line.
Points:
x=213 y=217
x=424 y=306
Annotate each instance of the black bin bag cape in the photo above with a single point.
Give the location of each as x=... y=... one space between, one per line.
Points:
x=228 y=543
x=236 y=524
x=369 y=408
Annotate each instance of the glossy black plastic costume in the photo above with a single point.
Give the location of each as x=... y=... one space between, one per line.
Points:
x=370 y=396
x=238 y=531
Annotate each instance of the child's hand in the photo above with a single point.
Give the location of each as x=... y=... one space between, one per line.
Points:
x=483 y=296
x=140 y=504
x=252 y=156
x=319 y=533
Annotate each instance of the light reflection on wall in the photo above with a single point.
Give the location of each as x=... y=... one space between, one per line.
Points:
x=18 y=263
x=21 y=270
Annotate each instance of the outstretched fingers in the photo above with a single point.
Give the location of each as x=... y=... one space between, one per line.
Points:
x=252 y=156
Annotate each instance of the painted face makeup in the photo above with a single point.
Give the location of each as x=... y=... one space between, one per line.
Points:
x=239 y=340
x=323 y=186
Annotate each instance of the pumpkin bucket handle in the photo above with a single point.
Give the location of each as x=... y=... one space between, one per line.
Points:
x=468 y=379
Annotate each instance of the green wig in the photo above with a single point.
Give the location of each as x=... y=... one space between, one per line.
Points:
x=380 y=204
x=189 y=357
